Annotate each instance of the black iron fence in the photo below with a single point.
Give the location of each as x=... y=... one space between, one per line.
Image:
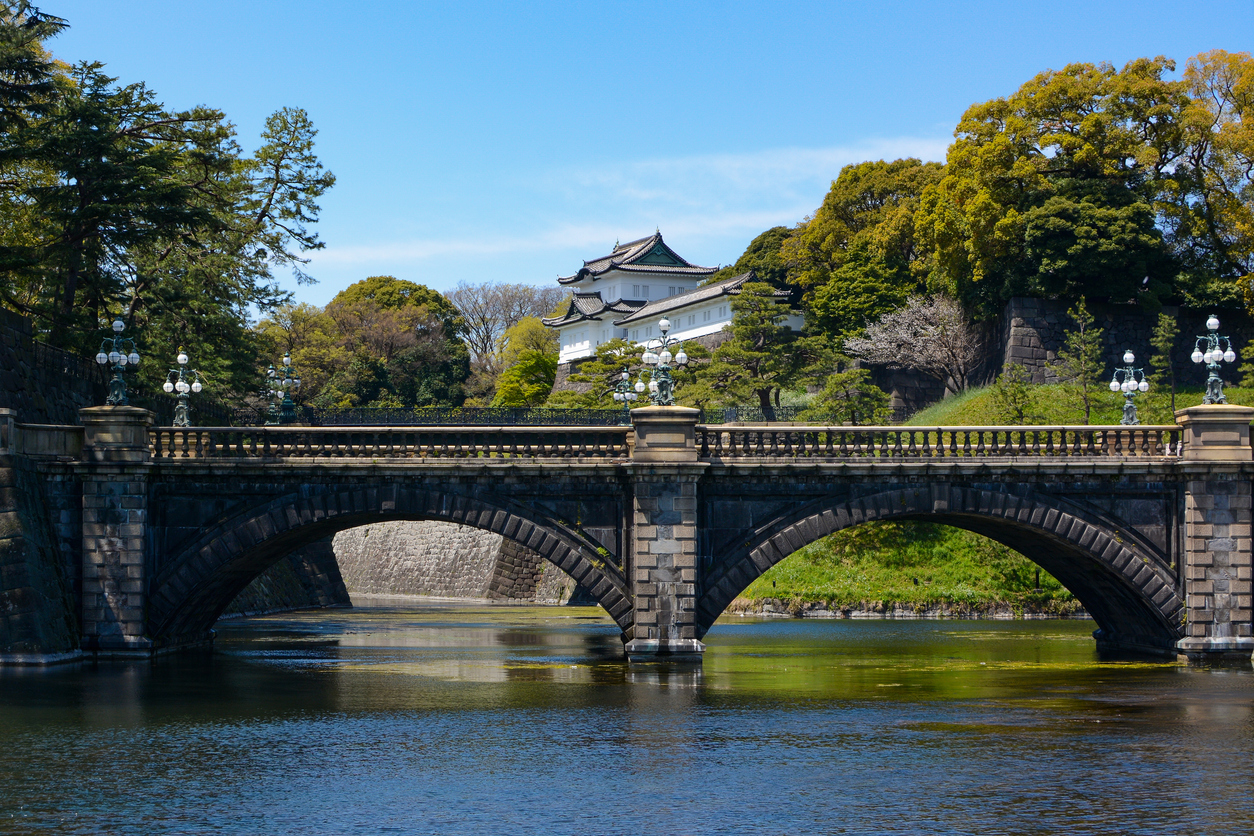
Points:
x=485 y=416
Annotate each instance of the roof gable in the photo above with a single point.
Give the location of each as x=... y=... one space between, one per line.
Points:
x=659 y=253
x=644 y=255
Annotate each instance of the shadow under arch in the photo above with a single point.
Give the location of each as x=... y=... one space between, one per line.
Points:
x=1129 y=593
x=203 y=577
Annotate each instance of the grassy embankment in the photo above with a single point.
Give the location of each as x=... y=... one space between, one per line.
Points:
x=923 y=566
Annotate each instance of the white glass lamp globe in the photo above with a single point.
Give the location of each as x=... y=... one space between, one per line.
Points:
x=1230 y=356
x=664 y=324
x=114 y=357
x=287 y=359
x=182 y=358
x=123 y=360
x=653 y=386
x=625 y=375
x=1114 y=386
x=665 y=357
x=118 y=325
x=1212 y=323
x=196 y=387
x=1208 y=358
x=1126 y=386
x=1196 y=357
x=134 y=358
x=167 y=387
x=681 y=359
x=102 y=358
x=295 y=383
x=1143 y=386
x=639 y=385
x=618 y=396
x=279 y=393
x=1129 y=358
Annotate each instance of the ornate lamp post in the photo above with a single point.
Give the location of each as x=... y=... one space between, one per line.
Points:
x=624 y=393
x=661 y=384
x=1129 y=385
x=1213 y=355
x=278 y=388
x=182 y=380
x=114 y=350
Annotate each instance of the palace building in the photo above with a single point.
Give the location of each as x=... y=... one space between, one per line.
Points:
x=625 y=293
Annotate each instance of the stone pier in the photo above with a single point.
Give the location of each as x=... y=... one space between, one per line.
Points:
x=663 y=569
x=115 y=521
x=1217 y=554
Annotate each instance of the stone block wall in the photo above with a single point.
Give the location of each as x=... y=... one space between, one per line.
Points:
x=1033 y=330
x=37 y=598
x=447 y=560
x=1219 y=562
x=44 y=384
x=306 y=579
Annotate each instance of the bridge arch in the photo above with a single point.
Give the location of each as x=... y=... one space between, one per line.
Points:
x=1129 y=592
x=189 y=594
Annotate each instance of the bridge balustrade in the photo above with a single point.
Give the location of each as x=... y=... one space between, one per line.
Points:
x=168 y=443
x=844 y=443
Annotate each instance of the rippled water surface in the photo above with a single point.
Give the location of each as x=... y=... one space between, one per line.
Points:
x=520 y=720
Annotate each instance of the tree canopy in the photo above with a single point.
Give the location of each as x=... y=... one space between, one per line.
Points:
x=1088 y=181
x=113 y=204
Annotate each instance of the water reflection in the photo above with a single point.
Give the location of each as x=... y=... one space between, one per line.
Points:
x=513 y=720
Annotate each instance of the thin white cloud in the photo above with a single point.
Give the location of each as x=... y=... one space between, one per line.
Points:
x=700 y=197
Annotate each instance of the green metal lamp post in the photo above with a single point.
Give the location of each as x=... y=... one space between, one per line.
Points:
x=177 y=380
x=624 y=393
x=114 y=350
x=282 y=408
x=661 y=384
x=1129 y=385
x=1213 y=356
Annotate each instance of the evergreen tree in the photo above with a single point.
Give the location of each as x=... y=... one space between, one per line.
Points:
x=1012 y=396
x=1163 y=374
x=1079 y=361
x=760 y=358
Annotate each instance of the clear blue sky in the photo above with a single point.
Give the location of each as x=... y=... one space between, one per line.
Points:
x=509 y=141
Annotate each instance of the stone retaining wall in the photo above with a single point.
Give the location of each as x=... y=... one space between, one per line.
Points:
x=446 y=560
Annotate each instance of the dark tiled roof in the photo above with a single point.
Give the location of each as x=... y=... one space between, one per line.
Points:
x=727 y=287
x=590 y=305
x=633 y=257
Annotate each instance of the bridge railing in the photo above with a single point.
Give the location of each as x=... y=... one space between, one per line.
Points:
x=842 y=443
x=389 y=442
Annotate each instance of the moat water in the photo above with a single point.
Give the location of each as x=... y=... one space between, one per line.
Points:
x=455 y=720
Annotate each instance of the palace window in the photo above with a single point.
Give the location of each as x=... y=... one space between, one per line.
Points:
x=692 y=319
x=705 y=316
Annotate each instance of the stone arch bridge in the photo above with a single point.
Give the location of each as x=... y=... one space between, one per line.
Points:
x=663 y=522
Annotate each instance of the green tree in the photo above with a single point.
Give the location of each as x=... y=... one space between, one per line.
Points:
x=1079 y=360
x=1012 y=396
x=1053 y=191
x=847 y=396
x=759 y=359
x=1208 y=209
x=1163 y=371
x=857 y=257
x=110 y=203
x=528 y=381
x=762 y=256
